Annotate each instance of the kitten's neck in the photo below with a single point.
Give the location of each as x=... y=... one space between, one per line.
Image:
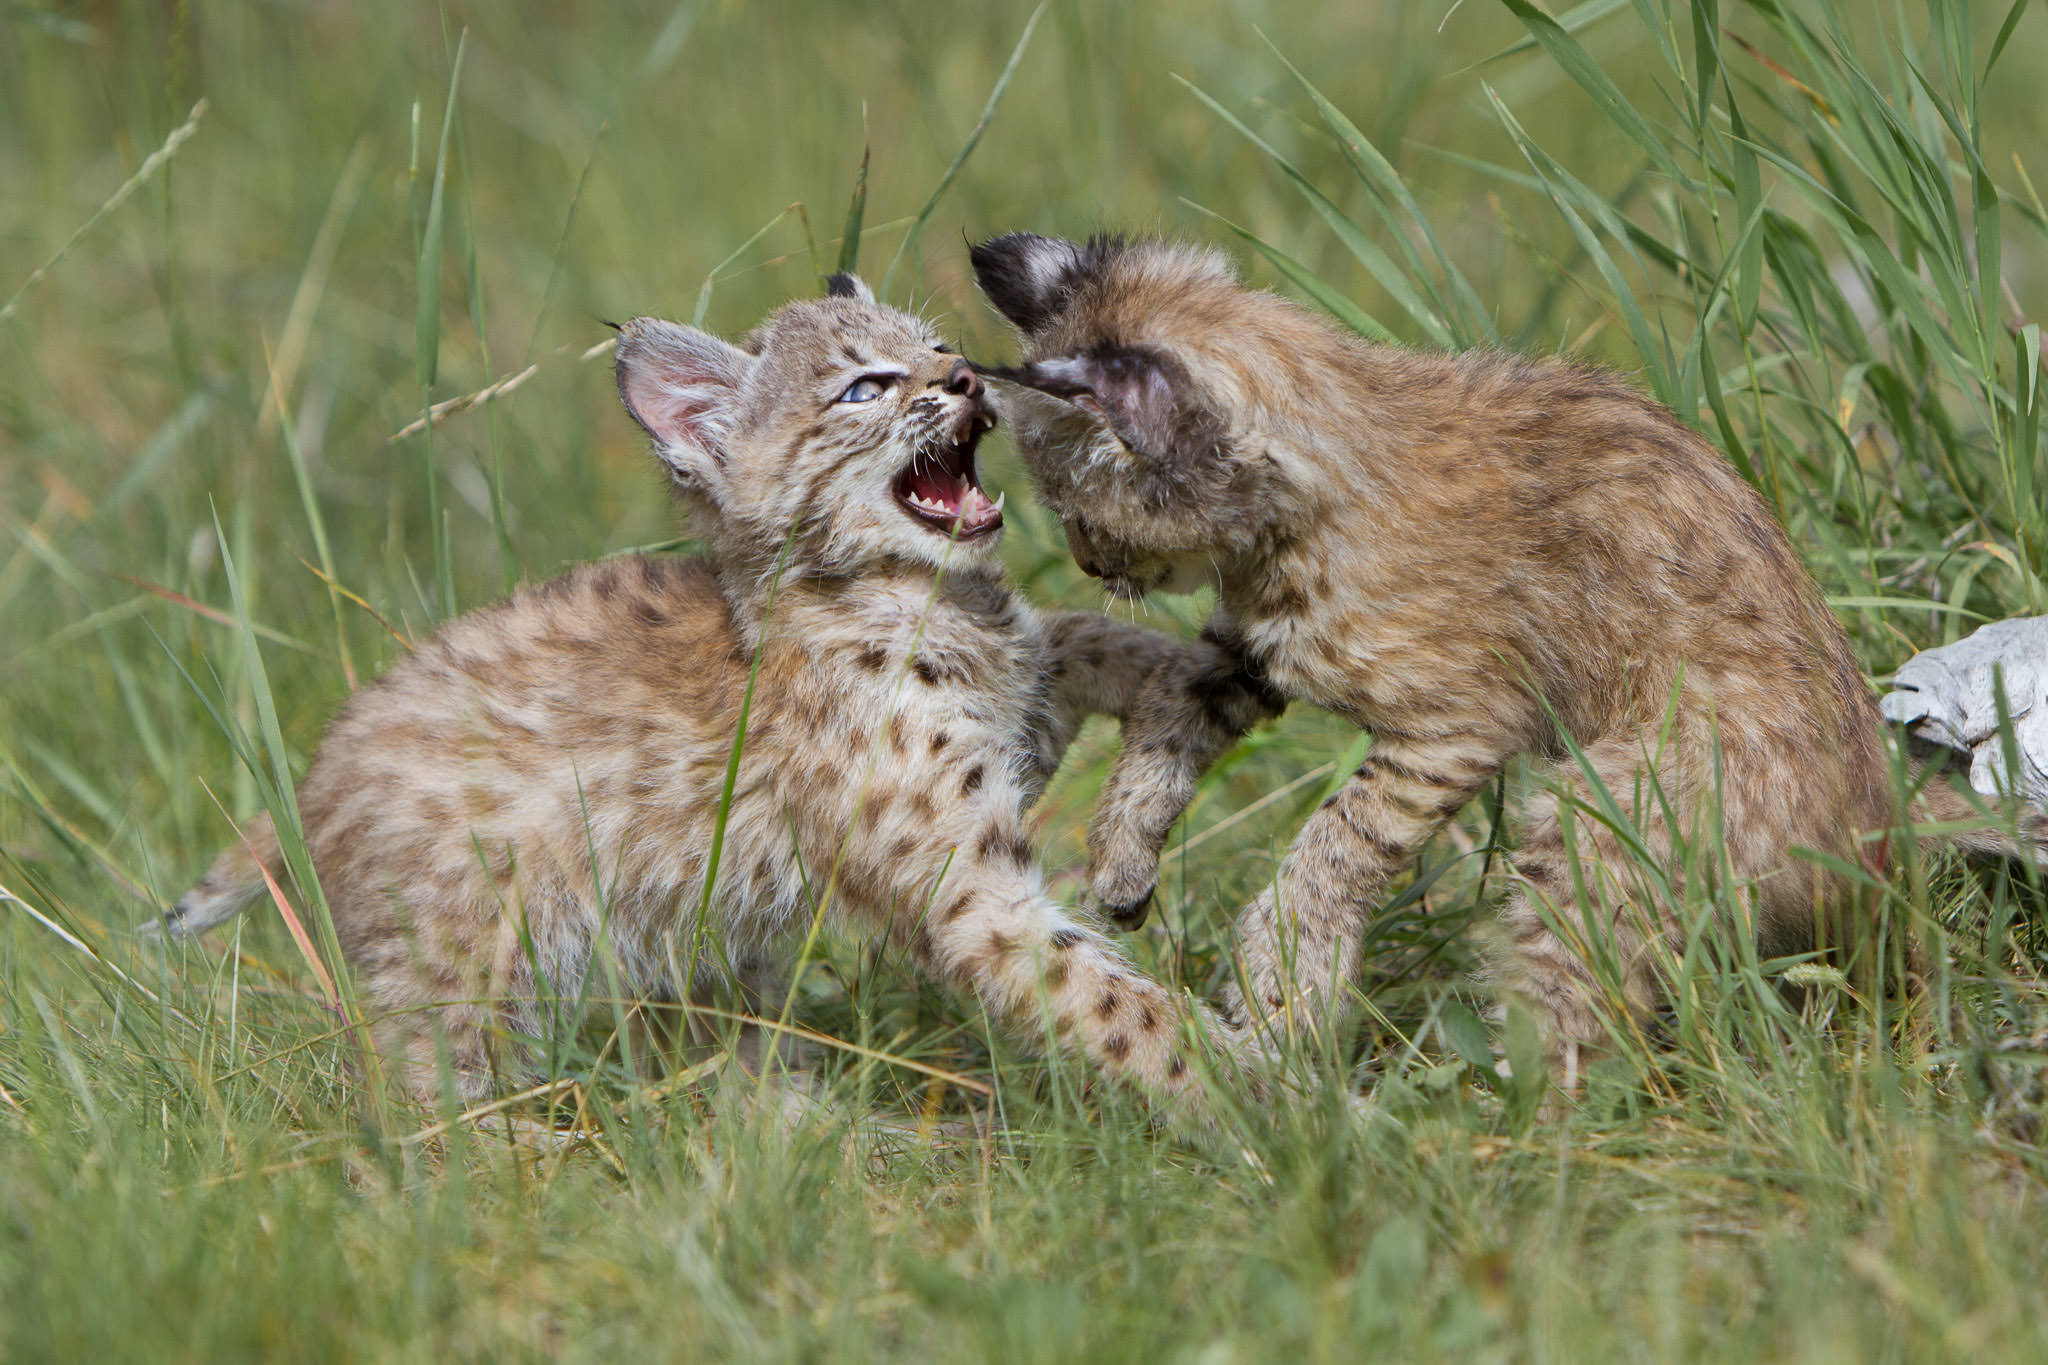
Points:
x=783 y=596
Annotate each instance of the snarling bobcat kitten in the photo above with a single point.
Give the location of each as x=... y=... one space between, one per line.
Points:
x=532 y=797
x=1472 y=556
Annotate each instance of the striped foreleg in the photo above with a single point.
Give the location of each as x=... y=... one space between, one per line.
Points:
x=1298 y=940
x=1040 y=971
x=1193 y=707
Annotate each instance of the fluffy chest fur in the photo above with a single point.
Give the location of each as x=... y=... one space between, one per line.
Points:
x=883 y=707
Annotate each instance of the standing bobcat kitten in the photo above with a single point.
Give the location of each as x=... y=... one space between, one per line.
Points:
x=531 y=798
x=1472 y=556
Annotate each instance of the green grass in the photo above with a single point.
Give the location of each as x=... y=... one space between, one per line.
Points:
x=1824 y=247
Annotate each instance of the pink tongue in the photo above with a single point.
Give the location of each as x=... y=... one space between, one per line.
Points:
x=937 y=487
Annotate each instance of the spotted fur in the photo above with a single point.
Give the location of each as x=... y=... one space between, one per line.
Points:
x=526 y=805
x=1473 y=556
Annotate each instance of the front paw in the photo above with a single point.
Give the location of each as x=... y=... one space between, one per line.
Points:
x=1127 y=915
x=1122 y=883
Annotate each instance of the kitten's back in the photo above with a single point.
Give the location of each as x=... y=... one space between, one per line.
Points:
x=515 y=722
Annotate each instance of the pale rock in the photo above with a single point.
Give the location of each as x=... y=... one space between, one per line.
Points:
x=1945 y=696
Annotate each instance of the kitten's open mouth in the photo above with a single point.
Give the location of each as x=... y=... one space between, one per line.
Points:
x=938 y=486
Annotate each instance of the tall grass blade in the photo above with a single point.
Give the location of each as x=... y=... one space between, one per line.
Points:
x=1339 y=307
x=2012 y=21
x=151 y=164
x=1383 y=269
x=309 y=500
x=428 y=311
x=1576 y=203
x=428 y=329
x=1748 y=252
x=703 y=309
x=988 y=113
x=272 y=768
x=297 y=333
x=1577 y=19
x=856 y=209
x=701 y=927
x=1579 y=64
x=1471 y=320
x=79 y=945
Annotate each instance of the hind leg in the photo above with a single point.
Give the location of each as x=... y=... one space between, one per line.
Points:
x=1709 y=815
x=1592 y=927
x=451 y=983
x=1574 y=967
x=415 y=1014
x=755 y=990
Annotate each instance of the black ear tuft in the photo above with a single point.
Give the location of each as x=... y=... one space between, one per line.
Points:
x=845 y=286
x=1030 y=278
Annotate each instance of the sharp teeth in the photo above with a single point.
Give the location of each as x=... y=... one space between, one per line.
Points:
x=998 y=504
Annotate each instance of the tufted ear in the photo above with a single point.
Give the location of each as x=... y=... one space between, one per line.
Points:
x=1029 y=278
x=845 y=286
x=1144 y=395
x=682 y=386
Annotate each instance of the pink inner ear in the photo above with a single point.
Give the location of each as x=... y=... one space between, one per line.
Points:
x=678 y=412
x=680 y=384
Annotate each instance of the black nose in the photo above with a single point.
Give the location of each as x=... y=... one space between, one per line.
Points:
x=963 y=381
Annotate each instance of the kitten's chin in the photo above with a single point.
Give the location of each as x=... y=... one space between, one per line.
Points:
x=960 y=552
x=1189 y=576
x=893 y=541
x=1174 y=580
x=1123 y=587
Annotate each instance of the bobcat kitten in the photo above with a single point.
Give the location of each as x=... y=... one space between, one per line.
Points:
x=531 y=797
x=1472 y=556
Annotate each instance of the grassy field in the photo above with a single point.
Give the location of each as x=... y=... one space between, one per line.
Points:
x=243 y=246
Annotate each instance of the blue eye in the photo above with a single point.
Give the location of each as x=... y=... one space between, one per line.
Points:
x=865 y=390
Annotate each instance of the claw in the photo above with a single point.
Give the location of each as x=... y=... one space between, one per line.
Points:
x=1131 y=916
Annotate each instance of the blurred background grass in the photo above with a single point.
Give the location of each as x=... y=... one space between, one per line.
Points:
x=603 y=161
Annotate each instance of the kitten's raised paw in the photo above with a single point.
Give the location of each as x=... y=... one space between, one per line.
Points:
x=1122 y=888
x=1127 y=915
x=1123 y=872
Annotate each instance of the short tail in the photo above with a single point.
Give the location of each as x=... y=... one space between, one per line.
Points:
x=229 y=887
x=1978 y=828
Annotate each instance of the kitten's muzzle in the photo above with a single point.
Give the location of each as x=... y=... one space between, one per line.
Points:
x=1081 y=543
